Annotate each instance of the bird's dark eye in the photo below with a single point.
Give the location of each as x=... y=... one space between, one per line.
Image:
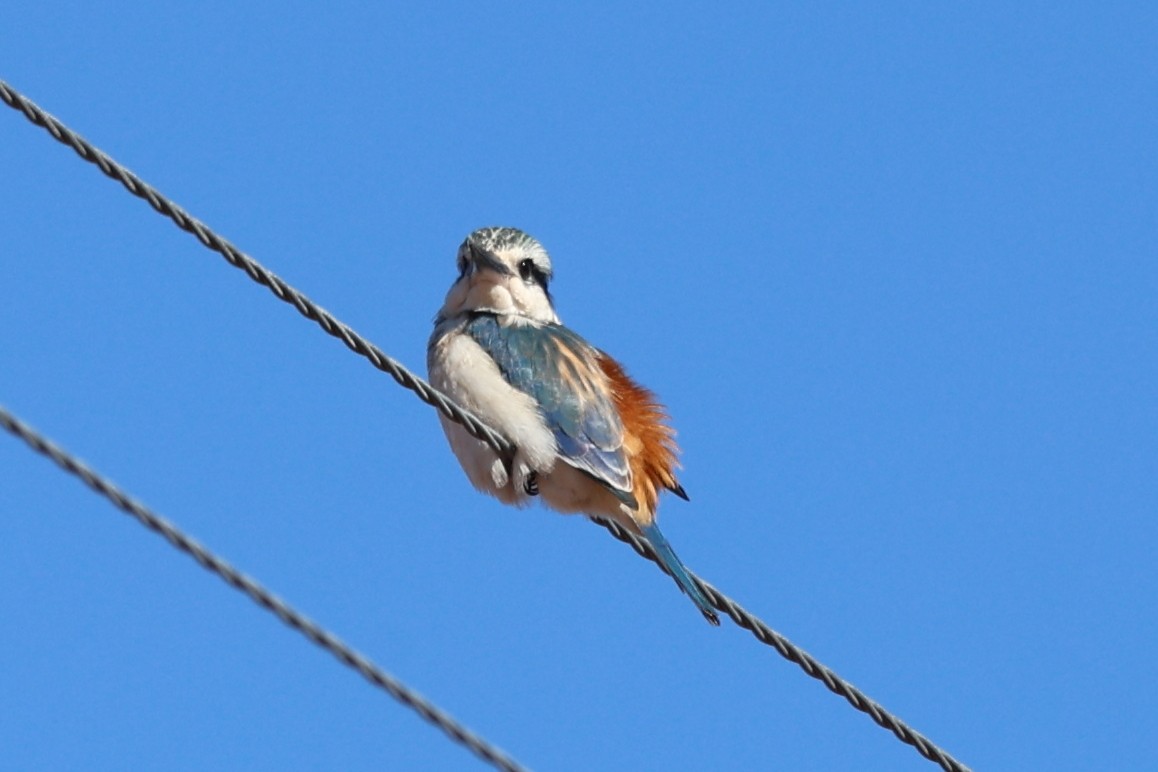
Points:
x=527 y=269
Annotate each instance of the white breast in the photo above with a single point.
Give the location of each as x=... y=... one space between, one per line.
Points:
x=460 y=368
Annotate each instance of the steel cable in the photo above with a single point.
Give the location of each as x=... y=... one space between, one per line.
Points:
x=454 y=412
x=261 y=596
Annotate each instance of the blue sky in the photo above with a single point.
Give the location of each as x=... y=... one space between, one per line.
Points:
x=892 y=269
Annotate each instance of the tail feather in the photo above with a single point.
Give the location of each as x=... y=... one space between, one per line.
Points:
x=679 y=572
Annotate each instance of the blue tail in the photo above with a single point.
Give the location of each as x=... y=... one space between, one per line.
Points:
x=679 y=572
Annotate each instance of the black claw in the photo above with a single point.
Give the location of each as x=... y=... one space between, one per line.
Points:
x=531 y=484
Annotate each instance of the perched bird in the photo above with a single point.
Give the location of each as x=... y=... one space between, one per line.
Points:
x=589 y=439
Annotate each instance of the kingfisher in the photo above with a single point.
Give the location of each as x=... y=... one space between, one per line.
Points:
x=588 y=438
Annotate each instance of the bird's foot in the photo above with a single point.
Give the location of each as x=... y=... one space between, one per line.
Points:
x=531 y=484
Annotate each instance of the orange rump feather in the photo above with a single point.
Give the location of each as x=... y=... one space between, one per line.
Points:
x=648 y=439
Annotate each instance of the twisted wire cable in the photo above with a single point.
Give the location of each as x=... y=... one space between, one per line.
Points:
x=454 y=412
x=261 y=596
x=255 y=270
x=794 y=653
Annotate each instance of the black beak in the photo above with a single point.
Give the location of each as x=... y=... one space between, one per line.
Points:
x=481 y=259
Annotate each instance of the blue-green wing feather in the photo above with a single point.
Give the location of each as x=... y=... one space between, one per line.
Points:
x=561 y=372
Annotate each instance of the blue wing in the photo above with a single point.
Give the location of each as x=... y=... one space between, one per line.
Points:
x=561 y=372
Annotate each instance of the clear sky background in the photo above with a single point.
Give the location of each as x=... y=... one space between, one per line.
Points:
x=893 y=271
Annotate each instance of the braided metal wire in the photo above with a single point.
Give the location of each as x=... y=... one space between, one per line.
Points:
x=794 y=653
x=454 y=412
x=261 y=596
x=255 y=270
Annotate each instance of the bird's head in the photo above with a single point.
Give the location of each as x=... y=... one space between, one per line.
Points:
x=505 y=271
